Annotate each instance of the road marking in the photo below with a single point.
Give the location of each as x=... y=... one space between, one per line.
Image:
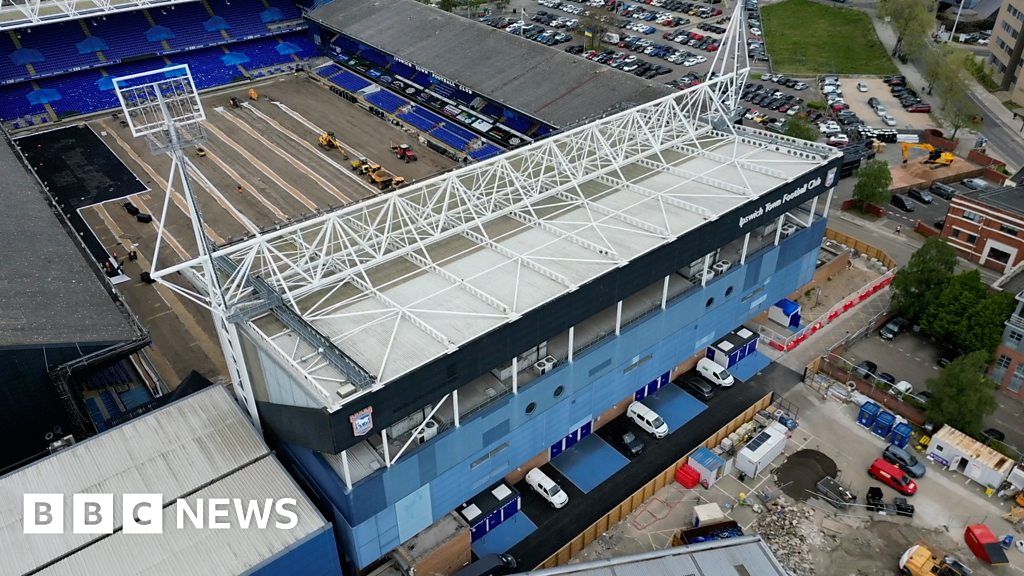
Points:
x=249 y=188
x=301 y=167
x=298 y=195
x=318 y=130
x=227 y=205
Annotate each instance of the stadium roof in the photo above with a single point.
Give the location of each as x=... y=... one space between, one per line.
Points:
x=48 y=294
x=546 y=83
x=390 y=284
x=740 y=556
x=199 y=447
x=24 y=13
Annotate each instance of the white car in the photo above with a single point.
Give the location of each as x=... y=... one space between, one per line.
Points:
x=543 y=484
x=889 y=120
x=902 y=387
x=829 y=128
x=838 y=140
x=751 y=115
x=862 y=87
x=880 y=110
x=800 y=86
x=793 y=111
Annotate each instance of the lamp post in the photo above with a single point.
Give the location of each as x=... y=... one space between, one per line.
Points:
x=952 y=33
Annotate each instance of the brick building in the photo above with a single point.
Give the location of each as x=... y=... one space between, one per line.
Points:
x=1008 y=369
x=987 y=227
x=1007 y=46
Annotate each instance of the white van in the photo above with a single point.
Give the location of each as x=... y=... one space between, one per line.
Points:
x=710 y=369
x=547 y=488
x=901 y=387
x=647 y=419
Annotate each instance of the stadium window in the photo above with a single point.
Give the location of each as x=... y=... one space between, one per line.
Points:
x=531 y=407
x=710 y=302
x=559 y=391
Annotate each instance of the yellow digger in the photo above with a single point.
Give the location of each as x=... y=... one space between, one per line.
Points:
x=936 y=157
x=365 y=166
x=385 y=180
x=328 y=141
x=919 y=560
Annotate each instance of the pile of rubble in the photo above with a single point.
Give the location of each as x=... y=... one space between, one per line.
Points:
x=791 y=532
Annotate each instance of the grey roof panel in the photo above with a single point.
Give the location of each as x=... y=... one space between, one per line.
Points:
x=48 y=294
x=545 y=82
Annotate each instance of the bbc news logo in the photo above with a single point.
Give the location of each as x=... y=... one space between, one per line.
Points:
x=144 y=513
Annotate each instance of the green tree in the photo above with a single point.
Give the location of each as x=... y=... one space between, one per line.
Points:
x=942 y=66
x=947 y=317
x=923 y=279
x=873 y=181
x=799 y=127
x=958 y=110
x=913 y=22
x=448 y=5
x=962 y=395
x=986 y=321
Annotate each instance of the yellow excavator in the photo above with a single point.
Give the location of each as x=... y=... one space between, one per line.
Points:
x=936 y=157
x=919 y=560
x=328 y=141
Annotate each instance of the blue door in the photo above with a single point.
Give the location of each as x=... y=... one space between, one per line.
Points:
x=510 y=509
x=479 y=530
x=640 y=394
x=586 y=429
x=556 y=448
x=572 y=439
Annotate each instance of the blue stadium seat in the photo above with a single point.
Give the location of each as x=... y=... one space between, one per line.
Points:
x=288 y=9
x=242 y=16
x=262 y=53
x=349 y=81
x=459 y=131
x=207 y=68
x=8 y=69
x=386 y=101
x=125 y=34
x=93 y=408
x=186 y=21
x=328 y=70
x=517 y=123
x=450 y=138
x=485 y=152
x=56 y=43
x=79 y=93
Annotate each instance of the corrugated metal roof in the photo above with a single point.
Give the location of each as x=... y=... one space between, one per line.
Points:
x=200 y=442
x=742 y=556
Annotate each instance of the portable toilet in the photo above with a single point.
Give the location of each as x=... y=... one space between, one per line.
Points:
x=900 y=435
x=868 y=413
x=883 y=424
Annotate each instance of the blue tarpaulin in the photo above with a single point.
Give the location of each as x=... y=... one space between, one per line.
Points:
x=43 y=96
x=24 y=56
x=271 y=15
x=105 y=83
x=159 y=34
x=216 y=23
x=286 y=48
x=234 y=58
x=91 y=44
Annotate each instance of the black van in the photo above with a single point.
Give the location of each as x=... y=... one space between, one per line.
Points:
x=943 y=190
x=490 y=565
x=902 y=202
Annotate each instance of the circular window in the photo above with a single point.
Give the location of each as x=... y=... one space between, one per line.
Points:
x=559 y=391
x=531 y=407
x=710 y=302
x=728 y=291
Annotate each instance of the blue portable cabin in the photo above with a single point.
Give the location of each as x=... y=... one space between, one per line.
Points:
x=883 y=424
x=868 y=412
x=900 y=435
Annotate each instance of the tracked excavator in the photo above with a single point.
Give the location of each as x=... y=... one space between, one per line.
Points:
x=936 y=157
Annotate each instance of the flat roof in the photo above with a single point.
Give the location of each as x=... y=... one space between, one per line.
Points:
x=1009 y=198
x=48 y=293
x=544 y=82
x=976 y=450
x=400 y=280
x=740 y=556
x=199 y=447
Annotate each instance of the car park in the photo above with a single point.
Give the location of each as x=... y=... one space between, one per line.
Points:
x=920 y=195
x=974 y=183
x=630 y=442
x=548 y=489
x=698 y=387
x=944 y=191
x=902 y=202
x=892 y=476
x=715 y=373
x=893 y=328
x=647 y=419
x=904 y=460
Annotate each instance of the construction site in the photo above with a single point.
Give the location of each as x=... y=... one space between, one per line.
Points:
x=923 y=164
x=275 y=153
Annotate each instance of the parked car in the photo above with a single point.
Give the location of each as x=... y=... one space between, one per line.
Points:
x=698 y=387
x=873 y=102
x=948 y=355
x=993 y=434
x=710 y=369
x=862 y=87
x=893 y=328
x=902 y=387
x=647 y=419
x=919 y=107
x=880 y=110
x=920 y=195
x=891 y=475
x=548 y=489
x=865 y=368
x=888 y=120
x=633 y=445
x=974 y=183
x=886 y=377
x=490 y=565
x=902 y=202
x=905 y=460
x=944 y=191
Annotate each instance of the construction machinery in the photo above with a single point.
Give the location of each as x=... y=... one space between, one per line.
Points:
x=234 y=102
x=364 y=166
x=936 y=157
x=253 y=94
x=328 y=141
x=404 y=152
x=200 y=152
x=920 y=560
x=385 y=180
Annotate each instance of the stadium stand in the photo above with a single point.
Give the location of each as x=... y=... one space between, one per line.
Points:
x=485 y=152
x=349 y=81
x=187 y=22
x=124 y=34
x=386 y=101
x=450 y=138
x=55 y=44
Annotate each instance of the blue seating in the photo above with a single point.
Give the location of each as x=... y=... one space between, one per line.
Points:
x=56 y=43
x=14 y=101
x=485 y=152
x=517 y=123
x=186 y=21
x=450 y=138
x=8 y=69
x=459 y=131
x=403 y=70
x=262 y=53
x=328 y=70
x=80 y=93
x=125 y=34
x=135 y=397
x=242 y=16
x=288 y=9
x=207 y=68
x=350 y=82
x=109 y=403
x=386 y=101
x=93 y=408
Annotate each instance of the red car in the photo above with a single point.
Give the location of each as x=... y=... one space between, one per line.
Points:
x=893 y=476
x=919 y=108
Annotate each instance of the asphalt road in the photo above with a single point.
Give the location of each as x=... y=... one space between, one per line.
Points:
x=1000 y=138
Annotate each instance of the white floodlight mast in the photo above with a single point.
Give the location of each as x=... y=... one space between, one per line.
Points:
x=163 y=105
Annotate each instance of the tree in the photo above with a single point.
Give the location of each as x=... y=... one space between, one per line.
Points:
x=986 y=321
x=448 y=5
x=873 y=182
x=962 y=395
x=958 y=110
x=923 y=279
x=912 y=21
x=593 y=30
x=942 y=65
x=799 y=127
x=501 y=5
x=947 y=318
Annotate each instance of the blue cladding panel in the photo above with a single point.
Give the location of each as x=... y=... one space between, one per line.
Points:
x=315 y=556
x=592 y=385
x=414 y=513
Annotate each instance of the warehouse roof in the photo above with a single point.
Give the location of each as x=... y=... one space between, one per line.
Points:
x=395 y=282
x=740 y=556
x=48 y=294
x=544 y=82
x=199 y=447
